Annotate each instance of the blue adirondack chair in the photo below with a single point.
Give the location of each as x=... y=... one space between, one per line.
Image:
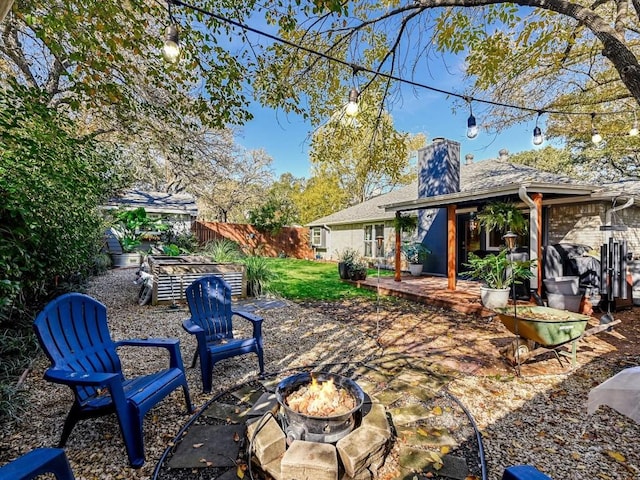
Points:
x=38 y=462
x=209 y=300
x=73 y=332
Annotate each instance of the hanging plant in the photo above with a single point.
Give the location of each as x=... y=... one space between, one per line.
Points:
x=502 y=217
x=405 y=223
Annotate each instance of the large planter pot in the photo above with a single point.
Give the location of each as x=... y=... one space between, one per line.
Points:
x=415 y=269
x=131 y=259
x=494 y=297
x=343 y=270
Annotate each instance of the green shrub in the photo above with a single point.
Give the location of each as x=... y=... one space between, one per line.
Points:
x=223 y=251
x=259 y=275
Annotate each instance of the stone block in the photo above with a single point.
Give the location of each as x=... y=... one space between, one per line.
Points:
x=267 y=439
x=310 y=461
x=357 y=448
x=273 y=469
x=376 y=418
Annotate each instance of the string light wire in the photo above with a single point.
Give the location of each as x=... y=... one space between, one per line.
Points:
x=360 y=68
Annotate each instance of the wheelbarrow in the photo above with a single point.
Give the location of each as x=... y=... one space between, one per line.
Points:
x=545 y=329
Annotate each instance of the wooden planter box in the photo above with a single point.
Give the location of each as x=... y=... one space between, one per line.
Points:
x=177 y=273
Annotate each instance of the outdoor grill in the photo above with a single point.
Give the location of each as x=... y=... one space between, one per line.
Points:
x=322 y=429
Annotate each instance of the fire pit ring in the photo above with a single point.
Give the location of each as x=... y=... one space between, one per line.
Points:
x=327 y=429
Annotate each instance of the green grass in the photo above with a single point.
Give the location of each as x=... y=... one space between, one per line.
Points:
x=309 y=280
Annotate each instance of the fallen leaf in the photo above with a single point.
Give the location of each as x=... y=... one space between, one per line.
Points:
x=239 y=472
x=437 y=410
x=617 y=456
x=197 y=445
x=576 y=455
x=236 y=437
x=444 y=449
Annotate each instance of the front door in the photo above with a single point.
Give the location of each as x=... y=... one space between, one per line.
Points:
x=468 y=239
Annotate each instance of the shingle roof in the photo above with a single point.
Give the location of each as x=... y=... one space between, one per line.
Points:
x=476 y=176
x=156 y=202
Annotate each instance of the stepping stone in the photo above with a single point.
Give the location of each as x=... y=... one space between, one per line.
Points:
x=409 y=414
x=426 y=436
x=270 y=384
x=247 y=394
x=389 y=396
x=204 y=444
x=266 y=403
x=229 y=413
x=415 y=460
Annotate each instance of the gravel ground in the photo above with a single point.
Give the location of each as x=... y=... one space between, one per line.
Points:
x=538 y=418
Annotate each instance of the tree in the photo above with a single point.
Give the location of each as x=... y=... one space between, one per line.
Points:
x=543 y=55
x=366 y=153
x=322 y=196
x=549 y=159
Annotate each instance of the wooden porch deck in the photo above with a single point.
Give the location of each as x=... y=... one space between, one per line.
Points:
x=432 y=290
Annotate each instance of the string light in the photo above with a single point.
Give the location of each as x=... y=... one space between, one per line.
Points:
x=537 y=133
x=352 y=107
x=596 y=138
x=171 y=47
x=472 y=127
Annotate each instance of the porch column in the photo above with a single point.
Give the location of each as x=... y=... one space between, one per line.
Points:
x=398 y=273
x=451 y=247
x=537 y=199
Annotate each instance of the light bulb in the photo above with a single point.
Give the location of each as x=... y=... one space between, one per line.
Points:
x=596 y=138
x=472 y=128
x=171 y=47
x=634 y=130
x=352 y=107
x=537 y=136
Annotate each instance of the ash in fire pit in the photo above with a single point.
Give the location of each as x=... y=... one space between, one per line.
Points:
x=323 y=407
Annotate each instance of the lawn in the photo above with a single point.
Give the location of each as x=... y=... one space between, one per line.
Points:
x=311 y=280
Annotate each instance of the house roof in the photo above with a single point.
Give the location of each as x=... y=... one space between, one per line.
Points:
x=369 y=210
x=480 y=182
x=156 y=202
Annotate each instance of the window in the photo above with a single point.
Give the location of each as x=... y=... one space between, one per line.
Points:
x=316 y=236
x=371 y=232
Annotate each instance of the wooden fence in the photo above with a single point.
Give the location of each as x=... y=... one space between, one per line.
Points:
x=289 y=242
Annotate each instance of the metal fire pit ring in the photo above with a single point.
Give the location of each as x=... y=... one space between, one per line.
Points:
x=328 y=429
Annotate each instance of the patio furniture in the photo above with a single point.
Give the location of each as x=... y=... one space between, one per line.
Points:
x=73 y=333
x=209 y=300
x=38 y=462
x=524 y=472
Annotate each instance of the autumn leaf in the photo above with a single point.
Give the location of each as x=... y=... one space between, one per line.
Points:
x=236 y=437
x=444 y=449
x=206 y=462
x=197 y=445
x=437 y=410
x=617 y=456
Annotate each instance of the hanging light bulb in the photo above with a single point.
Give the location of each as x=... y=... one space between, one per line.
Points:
x=634 y=130
x=352 y=107
x=596 y=138
x=171 y=47
x=472 y=126
x=537 y=133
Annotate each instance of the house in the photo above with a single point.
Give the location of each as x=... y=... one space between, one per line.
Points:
x=447 y=195
x=177 y=209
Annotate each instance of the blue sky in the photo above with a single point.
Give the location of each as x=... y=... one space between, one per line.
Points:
x=285 y=137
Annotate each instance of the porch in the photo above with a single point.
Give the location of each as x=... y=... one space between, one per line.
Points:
x=431 y=290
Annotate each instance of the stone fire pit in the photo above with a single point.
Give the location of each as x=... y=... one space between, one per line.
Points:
x=404 y=428
x=351 y=443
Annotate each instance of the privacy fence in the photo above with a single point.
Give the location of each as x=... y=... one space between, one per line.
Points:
x=289 y=242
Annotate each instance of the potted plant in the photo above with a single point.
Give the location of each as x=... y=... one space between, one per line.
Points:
x=503 y=217
x=416 y=255
x=129 y=227
x=498 y=273
x=351 y=266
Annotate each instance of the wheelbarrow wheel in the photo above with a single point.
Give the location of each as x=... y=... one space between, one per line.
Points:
x=518 y=350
